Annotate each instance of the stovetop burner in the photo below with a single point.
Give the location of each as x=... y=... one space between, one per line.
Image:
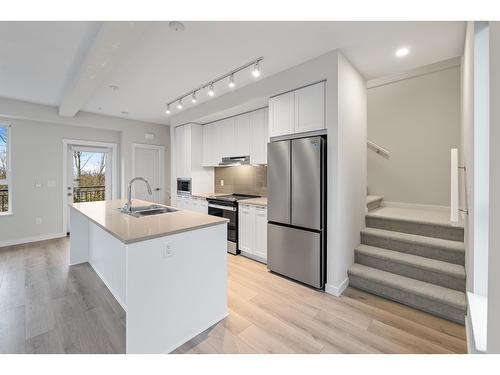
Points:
x=232 y=197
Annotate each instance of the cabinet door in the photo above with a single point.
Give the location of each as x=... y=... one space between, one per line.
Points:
x=258 y=137
x=245 y=228
x=187 y=151
x=260 y=232
x=242 y=135
x=195 y=204
x=226 y=136
x=209 y=144
x=204 y=207
x=179 y=151
x=281 y=114
x=310 y=108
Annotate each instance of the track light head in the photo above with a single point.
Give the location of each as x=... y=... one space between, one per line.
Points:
x=231 y=81
x=167 y=111
x=179 y=104
x=256 y=70
x=211 y=91
x=193 y=97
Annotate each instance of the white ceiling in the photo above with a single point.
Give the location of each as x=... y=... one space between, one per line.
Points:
x=38 y=60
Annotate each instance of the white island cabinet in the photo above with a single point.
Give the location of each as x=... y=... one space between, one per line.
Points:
x=167 y=271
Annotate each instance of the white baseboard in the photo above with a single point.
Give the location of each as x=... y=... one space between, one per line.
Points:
x=337 y=290
x=43 y=237
x=415 y=205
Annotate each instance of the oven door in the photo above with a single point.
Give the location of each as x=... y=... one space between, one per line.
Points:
x=230 y=213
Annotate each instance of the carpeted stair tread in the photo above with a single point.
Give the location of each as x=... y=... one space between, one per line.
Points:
x=439 y=294
x=427 y=264
x=439 y=243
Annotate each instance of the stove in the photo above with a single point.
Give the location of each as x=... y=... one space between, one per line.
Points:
x=226 y=206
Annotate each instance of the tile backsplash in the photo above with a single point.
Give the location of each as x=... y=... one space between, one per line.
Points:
x=244 y=179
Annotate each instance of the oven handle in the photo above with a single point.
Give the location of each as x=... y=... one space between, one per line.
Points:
x=227 y=208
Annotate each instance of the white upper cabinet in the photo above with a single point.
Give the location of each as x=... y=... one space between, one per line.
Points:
x=183 y=151
x=298 y=111
x=310 y=108
x=211 y=149
x=282 y=114
x=258 y=137
x=242 y=135
x=226 y=137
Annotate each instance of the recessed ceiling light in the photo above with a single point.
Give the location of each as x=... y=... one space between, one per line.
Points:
x=114 y=87
x=124 y=112
x=402 y=52
x=176 y=26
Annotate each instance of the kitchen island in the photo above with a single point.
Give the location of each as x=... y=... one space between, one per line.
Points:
x=168 y=271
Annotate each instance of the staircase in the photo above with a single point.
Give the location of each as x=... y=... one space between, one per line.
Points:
x=417 y=262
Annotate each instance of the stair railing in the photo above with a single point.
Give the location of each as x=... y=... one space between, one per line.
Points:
x=378 y=149
x=455 y=188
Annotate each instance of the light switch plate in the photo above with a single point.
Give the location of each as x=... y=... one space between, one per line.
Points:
x=38 y=184
x=38 y=220
x=51 y=183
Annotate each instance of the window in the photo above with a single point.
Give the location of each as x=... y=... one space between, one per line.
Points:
x=5 y=182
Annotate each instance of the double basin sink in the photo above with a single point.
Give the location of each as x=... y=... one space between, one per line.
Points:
x=153 y=209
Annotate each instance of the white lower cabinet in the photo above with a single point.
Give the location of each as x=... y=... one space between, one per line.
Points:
x=191 y=203
x=252 y=231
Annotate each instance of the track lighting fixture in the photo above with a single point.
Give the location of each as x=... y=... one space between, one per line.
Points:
x=254 y=65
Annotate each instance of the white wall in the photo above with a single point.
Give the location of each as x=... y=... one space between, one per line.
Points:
x=494 y=193
x=350 y=205
x=37 y=133
x=466 y=153
x=418 y=120
x=349 y=149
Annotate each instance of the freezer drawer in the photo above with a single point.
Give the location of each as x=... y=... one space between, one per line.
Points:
x=278 y=180
x=295 y=253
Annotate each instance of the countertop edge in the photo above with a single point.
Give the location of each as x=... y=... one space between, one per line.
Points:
x=151 y=237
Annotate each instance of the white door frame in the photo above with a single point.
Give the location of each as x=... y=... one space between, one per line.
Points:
x=161 y=165
x=67 y=143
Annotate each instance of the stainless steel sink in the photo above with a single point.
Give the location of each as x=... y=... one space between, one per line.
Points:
x=154 y=209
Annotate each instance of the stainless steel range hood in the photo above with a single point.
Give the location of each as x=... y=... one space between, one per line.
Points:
x=234 y=161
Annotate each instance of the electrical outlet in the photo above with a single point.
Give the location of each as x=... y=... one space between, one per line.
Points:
x=167 y=250
x=38 y=220
x=38 y=184
x=221 y=182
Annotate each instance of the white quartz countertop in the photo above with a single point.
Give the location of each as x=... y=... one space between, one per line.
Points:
x=262 y=201
x=130 y=229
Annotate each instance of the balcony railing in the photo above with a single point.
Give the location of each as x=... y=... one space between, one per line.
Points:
x=4 y=200
x=88 y=193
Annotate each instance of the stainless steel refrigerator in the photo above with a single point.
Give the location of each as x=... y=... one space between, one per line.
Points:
x=296 y=238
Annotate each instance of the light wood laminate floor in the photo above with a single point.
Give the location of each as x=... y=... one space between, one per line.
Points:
x=48 y=307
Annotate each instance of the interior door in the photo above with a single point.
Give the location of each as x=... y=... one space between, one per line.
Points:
x=148 y=164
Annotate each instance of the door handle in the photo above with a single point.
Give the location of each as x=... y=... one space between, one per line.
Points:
x=157 y=189
x=69 y=194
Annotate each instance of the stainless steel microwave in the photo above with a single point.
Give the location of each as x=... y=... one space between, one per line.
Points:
x=183 y=186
